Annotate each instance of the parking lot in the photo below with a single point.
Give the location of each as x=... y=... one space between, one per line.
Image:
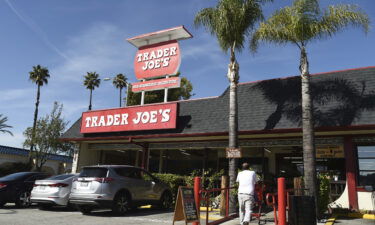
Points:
x=10 y=215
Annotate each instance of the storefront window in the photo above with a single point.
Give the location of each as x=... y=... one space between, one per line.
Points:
x=366 y=163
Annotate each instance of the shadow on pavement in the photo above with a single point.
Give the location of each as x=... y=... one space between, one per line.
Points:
x=131 y=213
x=12 y=208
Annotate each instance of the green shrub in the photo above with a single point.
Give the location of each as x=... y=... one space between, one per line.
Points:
x=172 y=180
x=323 y=197
x=14 y=167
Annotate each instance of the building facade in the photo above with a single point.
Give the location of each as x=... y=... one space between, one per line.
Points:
x=56 y=164
x=269 y=131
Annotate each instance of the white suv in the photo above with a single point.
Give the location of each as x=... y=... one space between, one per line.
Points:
x=119 y=188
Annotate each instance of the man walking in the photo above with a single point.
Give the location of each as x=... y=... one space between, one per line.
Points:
x=246 y=180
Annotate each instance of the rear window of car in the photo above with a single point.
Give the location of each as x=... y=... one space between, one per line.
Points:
x=128 y=172
x=60 y=177
x=93 y=172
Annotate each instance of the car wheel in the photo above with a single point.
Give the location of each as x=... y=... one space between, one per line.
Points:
x=85 y=209
x=166 y=200
x=121 y=204
x=23 y=200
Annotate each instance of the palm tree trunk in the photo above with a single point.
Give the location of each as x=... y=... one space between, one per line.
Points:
x=120 y=96
x=309 y=157
x=90 y=99
x=233 y=77
x=34 y=125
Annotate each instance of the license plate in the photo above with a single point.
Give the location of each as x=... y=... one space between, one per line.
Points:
x=42 y=187
x=84 y=184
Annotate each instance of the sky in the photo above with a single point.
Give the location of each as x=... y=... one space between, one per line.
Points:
x=72 y=37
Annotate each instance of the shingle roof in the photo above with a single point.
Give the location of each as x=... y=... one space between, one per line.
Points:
x=23 y=152
x=341 y=98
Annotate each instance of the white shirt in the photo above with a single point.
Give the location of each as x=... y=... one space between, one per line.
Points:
x=247 y=180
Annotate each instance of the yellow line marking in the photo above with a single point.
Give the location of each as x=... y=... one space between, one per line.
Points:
x=331 y=221
x=369 y=216
x=359 y=215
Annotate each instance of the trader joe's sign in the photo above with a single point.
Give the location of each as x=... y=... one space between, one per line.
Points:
x=151 y=117
x=157 y=60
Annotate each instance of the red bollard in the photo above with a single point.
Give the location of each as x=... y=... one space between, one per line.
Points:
x=281 y=199
x=197 y=196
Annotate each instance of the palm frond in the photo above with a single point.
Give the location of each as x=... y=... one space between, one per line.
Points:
x=230 y=21
x=304 y=22
x=3 y=126
x=337 y=18
x=91 y=80
x=120 y=81
x=39 y=75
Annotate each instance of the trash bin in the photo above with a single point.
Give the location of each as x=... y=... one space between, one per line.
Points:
x=301 y=210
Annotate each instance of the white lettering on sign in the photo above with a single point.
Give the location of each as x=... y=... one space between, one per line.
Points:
x=145 y=117
x=157 y=58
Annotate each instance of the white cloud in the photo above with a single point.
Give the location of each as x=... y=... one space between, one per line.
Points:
x=101 y=48
x=15 y=94
x=14 y=141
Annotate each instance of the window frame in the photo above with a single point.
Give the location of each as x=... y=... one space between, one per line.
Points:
x=358 y=163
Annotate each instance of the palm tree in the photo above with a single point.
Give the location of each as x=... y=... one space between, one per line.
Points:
x=39 y=75
x=300 y=24
x=120 y=81
x=91 y=82
x=3 y=125
x=230 y=21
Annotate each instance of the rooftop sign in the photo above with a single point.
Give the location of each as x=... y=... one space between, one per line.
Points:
x=157 y=60
x=158 y=56
x=175 y=33
x=150 y=117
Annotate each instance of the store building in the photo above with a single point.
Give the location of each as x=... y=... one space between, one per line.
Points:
x=269 y=132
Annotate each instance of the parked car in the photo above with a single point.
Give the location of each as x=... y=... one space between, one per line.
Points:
x=16 y=187
x=118 y=188
x=53 y=191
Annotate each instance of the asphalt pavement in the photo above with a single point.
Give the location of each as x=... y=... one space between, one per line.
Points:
x=10 y=215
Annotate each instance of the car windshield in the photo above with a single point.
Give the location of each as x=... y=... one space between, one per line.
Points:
x=60 y=177
x=16 y=176
x=93 y=172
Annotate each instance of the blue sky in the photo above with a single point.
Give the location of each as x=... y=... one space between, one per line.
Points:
x=73 y=37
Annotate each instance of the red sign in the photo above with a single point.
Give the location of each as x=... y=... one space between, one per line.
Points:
x=152 y=85
x=157 y=60
x=151 y=117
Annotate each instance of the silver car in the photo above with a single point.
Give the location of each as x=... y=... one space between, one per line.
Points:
x=52 y=191
x=118 y=188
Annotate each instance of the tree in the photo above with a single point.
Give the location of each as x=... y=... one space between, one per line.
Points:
x=47 y=133
x=175 y=94
x=301 y=24
x=4 y=126
x=39 y=75
x=120 y=81
x=230 y=21
x=91 y=82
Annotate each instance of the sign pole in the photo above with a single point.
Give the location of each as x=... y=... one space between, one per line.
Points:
x=166 y=93
x=143 y=98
